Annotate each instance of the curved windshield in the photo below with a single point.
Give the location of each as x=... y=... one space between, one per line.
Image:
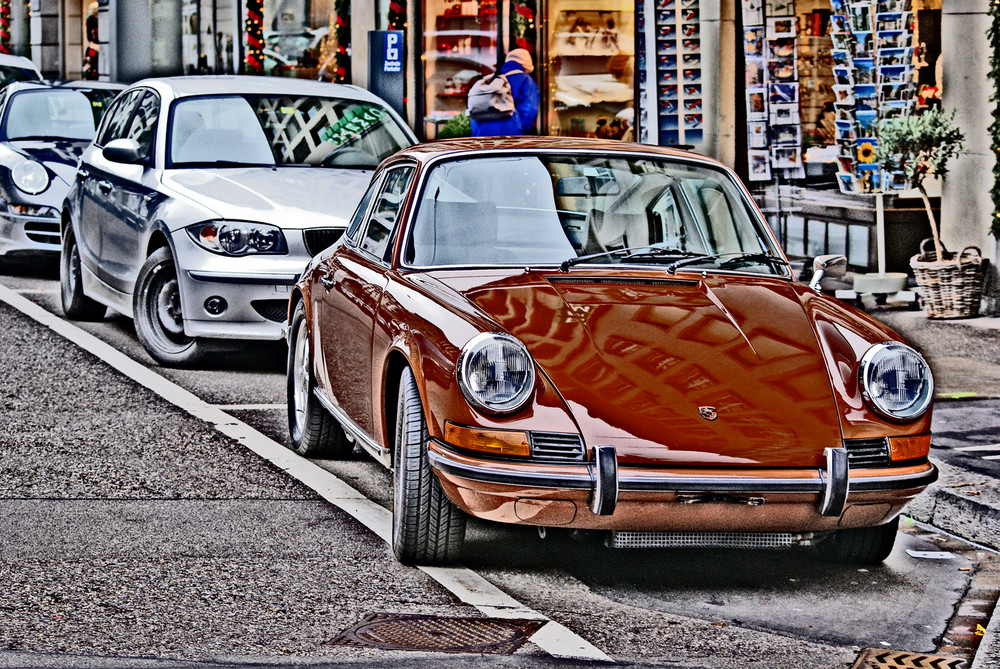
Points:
x=54 y=113
x=9 y=74
x=226 y=130
x=572 y=209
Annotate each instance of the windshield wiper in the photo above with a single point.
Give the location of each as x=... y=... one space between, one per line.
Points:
x=629 y=252
x=736 y=259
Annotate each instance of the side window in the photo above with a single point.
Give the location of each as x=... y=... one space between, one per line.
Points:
x=119 y=117
x=359 y=215
x=143 y=126
x=385 y=214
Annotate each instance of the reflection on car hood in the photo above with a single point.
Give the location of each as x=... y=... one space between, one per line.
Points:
x=61 y=156
x=290 y=197
x=636 y=360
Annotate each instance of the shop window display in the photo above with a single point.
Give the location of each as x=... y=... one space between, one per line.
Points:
x=300 y=38
x=207 y=37
x=591 y=65
x=459 y=48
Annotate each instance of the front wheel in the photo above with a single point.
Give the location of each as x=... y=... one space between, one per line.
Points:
x=156 y=305
x=75 y=304
x=313 y=431
x=861 y=545
x=426 y=527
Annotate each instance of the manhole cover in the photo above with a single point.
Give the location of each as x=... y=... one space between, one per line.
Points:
x=390 y=631
x=877 y=658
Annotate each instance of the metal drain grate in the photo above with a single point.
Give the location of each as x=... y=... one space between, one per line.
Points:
x=442 y=634
x=763 y=540
x=877 y=658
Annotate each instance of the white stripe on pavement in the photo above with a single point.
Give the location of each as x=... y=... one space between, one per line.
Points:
x=467 y=585
x=986 y=447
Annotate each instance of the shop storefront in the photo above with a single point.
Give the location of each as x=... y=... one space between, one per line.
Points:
x=584 y=55
x=207 y=36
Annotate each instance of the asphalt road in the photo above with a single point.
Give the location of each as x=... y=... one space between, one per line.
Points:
x=134 y=534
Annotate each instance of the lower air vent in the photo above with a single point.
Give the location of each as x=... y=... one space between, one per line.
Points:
x=760 y=540
x=45 y=232
x=272 y=310
x=318 y=239
x=556 y=446
x=862 y=453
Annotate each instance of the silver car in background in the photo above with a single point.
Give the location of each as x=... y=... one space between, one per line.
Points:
x=201 y=200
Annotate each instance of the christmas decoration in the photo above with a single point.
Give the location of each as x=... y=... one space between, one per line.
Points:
x=4 y=26
x=254 y=25
x=342 y=41
x=397 y=14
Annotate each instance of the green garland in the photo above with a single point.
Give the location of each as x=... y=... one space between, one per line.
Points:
x=994 y=36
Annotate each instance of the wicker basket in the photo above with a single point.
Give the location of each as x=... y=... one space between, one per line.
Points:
x=951 y=287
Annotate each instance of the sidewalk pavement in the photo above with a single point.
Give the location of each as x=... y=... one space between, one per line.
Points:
x=964 y=355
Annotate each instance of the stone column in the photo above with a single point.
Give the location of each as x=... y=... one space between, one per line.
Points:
x=20 y=30
x=45 y=34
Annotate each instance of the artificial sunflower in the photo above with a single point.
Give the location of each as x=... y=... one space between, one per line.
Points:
x=866 y=153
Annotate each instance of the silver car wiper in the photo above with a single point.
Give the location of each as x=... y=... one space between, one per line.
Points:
x=629 y=252
x=737 y=258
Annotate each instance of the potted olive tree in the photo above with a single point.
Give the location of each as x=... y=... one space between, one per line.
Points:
x=909 y=149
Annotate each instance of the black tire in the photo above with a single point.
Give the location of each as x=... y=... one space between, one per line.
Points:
x=426 y=527
x=862 y=545
x=156 y=307
x=75 y=304
x=313 y=431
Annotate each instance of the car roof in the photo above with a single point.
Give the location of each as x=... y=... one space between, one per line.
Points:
x=214 y=84
x=17 y=61
x=476 y=146
x=75 y=85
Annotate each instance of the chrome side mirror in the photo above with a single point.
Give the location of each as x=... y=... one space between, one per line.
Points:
x=830 y=265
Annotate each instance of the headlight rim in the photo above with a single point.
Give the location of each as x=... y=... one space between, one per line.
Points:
x=18 y=179
x=511 y=406
x=194 y=232
x=870 y=401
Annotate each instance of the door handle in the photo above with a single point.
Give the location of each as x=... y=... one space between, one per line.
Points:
x=327 y=280
x=105 y=186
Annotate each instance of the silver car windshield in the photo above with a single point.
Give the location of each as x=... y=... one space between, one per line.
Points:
x=233 y=130
x=571 y=209
x=54 y=113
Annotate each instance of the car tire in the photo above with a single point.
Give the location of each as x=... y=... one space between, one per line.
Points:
x=313 y=431
x=156 y=307
x=861 y=545
x=76 y=305
x=426 y=527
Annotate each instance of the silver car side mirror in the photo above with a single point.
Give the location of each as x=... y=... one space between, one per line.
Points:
x=830 y=265
x=123 y=150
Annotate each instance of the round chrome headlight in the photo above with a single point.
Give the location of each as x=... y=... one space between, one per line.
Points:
x=30 y=176
x=496 y=373
x=896 y=381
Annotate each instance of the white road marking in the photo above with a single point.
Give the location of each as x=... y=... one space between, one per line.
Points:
x=467 y=585
x=249 y=407
x=985 y=447
x=37 y=291
x=991 y=457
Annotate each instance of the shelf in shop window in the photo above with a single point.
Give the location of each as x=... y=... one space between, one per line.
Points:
x=452 y=95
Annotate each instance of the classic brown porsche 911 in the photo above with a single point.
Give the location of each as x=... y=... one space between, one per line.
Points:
x=600 y=336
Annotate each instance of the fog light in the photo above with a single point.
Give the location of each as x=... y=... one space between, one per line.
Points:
x=215 y=305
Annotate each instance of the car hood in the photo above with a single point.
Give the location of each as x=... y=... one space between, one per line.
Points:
x=61 y=156
x=289 y=197
x=643 y=362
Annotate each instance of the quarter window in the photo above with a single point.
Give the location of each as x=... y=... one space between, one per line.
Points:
x=385 y=214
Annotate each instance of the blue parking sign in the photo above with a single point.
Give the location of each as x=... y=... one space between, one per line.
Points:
x=392 y=55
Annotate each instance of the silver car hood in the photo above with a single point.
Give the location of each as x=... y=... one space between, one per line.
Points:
x=289 y=197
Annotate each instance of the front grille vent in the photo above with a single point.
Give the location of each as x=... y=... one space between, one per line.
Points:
x=318 y=239
x=620 y=281
x=272 y=310
x=862 y=453
x=751 y=540
x=44 y=232
x=556 y=446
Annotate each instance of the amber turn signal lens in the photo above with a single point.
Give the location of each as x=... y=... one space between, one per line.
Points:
x=498 y=442
x=909 y=448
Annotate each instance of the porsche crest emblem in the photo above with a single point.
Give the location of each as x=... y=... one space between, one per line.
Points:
x=708 y=413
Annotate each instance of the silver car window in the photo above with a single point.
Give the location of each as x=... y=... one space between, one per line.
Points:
x=282 y=130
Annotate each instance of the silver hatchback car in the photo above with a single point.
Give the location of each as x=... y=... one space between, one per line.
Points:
x=201 y=199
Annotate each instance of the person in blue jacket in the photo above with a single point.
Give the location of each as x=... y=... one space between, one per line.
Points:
x=517 y=68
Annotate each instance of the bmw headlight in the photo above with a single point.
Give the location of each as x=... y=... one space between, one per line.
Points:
x=496 y=373
x=30 y=176
x=896 y=381
x=238 y=238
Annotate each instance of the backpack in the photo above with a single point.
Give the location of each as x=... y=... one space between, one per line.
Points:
x=491 y=99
